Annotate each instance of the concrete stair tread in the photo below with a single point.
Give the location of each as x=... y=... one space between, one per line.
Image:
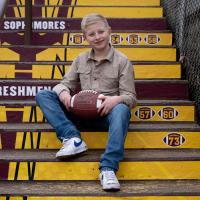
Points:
x=79 y=31
x=92 y=188
x=81 y=46
x=94 y=155
x=140 y=102
x=70 y=62
x=150 y=126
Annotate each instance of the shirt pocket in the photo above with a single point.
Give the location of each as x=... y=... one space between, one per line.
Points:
x=84 y=76
x=109 y=81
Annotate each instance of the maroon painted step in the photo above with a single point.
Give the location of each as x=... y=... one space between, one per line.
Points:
x=146 y=89
x=62 y=23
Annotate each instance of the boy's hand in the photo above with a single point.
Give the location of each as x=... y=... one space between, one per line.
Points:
x=65 y=98
x=108 y=103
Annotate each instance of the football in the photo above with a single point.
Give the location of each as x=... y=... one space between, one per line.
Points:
x=85 y=104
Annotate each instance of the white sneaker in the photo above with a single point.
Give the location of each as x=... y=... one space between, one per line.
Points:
x=71 y=147
x=109 y=180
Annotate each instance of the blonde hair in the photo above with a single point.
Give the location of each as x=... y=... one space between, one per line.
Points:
x=91 y=19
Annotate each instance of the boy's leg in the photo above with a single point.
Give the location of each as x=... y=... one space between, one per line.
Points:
x=56 y=115
x=118 y=120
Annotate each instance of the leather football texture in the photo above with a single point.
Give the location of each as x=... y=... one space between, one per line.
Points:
x=85 y=104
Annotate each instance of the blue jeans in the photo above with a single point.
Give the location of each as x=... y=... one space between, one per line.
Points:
x=65 y=124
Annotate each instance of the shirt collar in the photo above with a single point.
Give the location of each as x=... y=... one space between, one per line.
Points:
x=109 y=56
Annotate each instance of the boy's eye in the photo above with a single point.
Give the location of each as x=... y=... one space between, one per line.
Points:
x=100 y=32
x=91 y=34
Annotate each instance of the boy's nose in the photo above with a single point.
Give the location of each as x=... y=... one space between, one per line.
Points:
x=97 y=36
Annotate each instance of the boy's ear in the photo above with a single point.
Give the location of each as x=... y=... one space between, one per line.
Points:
x=110 y=30
x=84 y=37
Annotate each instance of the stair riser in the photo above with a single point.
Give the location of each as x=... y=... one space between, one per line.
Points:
x=98 y=140
x=145 y=90
x=132 y=38
x=56 y=71
x=69 y=54
x=150 y=170
x=18 y=114
x=79 y=12
x=94 y=2
x=74 y=24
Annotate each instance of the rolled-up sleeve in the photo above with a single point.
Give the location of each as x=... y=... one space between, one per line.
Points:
x=70 y=81
x=127 y=84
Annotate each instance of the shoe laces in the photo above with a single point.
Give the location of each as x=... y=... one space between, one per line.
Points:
x=110 y=176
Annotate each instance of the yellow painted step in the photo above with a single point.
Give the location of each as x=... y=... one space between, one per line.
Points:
x=149 y=170
x=134 y=54
x=100 y=2
x=139 y=114
x=142 y=71
x=123 y=12
x=97 y=140
x=118 y=2
x=106 y=198
x=108 y=12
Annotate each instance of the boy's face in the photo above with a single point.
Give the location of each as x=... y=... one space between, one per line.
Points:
x=98 y=36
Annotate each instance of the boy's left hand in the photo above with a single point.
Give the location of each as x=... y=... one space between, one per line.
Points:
x=108 y=102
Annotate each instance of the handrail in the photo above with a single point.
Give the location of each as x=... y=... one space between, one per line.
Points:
x=3 y=5
x=28 y=22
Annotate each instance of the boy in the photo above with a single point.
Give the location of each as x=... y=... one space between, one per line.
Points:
x=108 y=72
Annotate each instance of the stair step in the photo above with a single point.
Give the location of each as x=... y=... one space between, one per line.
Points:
x=146 y=89
x=11 y=23
x=69 y=53
x=137 y=165
x=81 y=11
x=94 y=155
x=93 y=2
x=150 y=135
x=117 y=38
x=146 y=111
x=56 y=70
x=89 y=190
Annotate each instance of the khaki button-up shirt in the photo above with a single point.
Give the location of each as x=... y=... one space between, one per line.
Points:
x=111 y=76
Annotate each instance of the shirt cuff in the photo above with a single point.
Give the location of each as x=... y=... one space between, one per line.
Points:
x=59 y=88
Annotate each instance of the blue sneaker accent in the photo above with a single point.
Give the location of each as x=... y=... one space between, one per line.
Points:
x=77 y=144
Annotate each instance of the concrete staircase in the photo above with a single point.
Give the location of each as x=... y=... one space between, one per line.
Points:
x=162 y=157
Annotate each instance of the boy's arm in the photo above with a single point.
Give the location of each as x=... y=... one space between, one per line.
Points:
x=70 y=81
x=127 y=85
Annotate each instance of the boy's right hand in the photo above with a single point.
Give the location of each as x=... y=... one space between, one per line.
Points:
x=65 y=98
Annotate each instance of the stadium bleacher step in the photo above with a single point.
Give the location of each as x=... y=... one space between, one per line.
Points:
x=131 y=38
x=146 y=89
x=63 y=23
x=140 y=135
x=81 y=11
x=56 y=70
x=138 y=164
x=89 y=190
x=69 y=53
x=91 y=2
x=13 y=111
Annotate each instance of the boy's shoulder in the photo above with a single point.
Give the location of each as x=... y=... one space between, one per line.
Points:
x=83 y=55
x=120 y=54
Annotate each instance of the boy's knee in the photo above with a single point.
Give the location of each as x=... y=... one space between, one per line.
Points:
x=121 y=109
x=42 y=94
